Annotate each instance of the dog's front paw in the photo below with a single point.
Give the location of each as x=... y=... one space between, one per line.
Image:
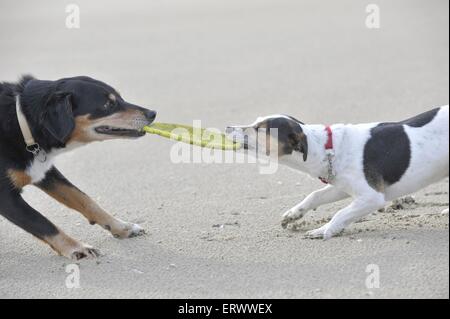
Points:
x=136 y=230
x=83 y=251
x=127 y=230
x=317 y=233
x=325 y=232
x=291 y=216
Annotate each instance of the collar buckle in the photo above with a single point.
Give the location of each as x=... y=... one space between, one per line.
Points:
x=37 y=152
x=33 y=148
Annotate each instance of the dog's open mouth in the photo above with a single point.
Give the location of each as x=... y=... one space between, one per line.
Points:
x=117 y=131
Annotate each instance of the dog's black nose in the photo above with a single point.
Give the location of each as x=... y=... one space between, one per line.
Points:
x=150 y=115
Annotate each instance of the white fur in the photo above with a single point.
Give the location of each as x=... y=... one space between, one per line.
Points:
x=429 y=163
x=37 y=169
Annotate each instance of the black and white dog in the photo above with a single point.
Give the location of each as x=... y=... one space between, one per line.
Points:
x=372 y=163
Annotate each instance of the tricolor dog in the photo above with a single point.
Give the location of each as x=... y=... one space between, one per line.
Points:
x=42 y=119
x=371 y=163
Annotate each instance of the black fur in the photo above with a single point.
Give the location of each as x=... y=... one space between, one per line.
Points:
x=14 y=156
x=294 y=119
x=422 y=119
x=387 y=153
x=290 y=135
x=17 y=211
x=50 y=108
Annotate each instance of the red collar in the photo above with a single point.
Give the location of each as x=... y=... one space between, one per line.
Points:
x=328 y=146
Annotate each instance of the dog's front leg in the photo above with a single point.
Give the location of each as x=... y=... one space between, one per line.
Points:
x=16 y=210
x=326 y=195
x=58 y=187
x=360 y=207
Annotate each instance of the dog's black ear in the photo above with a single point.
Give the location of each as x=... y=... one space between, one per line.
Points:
x=299 y=142
x=58 y=118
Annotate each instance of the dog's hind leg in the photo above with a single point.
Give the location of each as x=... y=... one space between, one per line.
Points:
x=360 y=207
x=17 y=211
x=58 y=187
x=326 y=195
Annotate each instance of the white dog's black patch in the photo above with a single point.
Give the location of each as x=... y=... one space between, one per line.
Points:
x=386 y=155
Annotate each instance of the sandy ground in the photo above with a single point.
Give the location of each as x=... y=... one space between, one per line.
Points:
x=214 y=230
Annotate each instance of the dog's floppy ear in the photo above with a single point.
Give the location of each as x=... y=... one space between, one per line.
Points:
x=299 y=142
x=58 y=118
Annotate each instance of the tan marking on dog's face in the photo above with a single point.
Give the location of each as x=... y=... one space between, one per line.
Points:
x=271 y=142
x=270 y=136
x=85 y=127
x=18 y=178
x=81 y=133
x=279 y=137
